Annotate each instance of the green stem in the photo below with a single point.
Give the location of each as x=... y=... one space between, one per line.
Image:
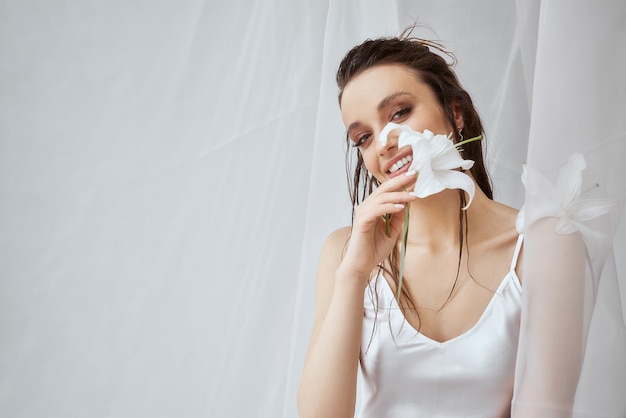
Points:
x=467 y=141
x=405 y=234
x=387 y=226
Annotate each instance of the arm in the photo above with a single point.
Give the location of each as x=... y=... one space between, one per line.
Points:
x=552 y=334
x=328 y=385
x=329 y=378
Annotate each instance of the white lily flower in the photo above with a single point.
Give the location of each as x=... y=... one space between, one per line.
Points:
x=562 y=200
x=436 y=159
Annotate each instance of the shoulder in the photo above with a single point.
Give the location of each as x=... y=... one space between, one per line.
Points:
x=494 y=223
x=509 y=236
x=338 y=238
x=329 y=261
x=495 y=235
x=334 y=247
x=506 y=214
x=505 y=231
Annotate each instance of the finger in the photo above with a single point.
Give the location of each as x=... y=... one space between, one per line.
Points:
x=378 y=199
x=399 y=182
x=394 y=197
x=376 y=211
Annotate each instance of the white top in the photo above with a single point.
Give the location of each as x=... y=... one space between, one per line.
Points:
x=408 y=375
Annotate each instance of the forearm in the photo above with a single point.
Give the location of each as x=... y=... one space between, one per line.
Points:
x=329 y=379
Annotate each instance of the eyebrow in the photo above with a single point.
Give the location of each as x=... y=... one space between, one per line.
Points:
x=383 y=103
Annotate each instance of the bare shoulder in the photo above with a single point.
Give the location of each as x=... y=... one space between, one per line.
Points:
x=332 y=251
x=495 y=236
x=339 y=236
x=505 y=232
x=495 y=223
x=509 y=235
x=506 y=214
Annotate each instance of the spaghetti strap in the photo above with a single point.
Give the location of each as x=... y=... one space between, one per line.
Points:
x=518 y=248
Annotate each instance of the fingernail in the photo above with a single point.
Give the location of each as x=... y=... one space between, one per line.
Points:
x=398 y=205
x=413 y=194
x=410 y=173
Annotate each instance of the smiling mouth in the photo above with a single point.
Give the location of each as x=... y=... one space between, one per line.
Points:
x=400 y=163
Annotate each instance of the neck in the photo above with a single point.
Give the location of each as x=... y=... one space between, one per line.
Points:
x=434 y=222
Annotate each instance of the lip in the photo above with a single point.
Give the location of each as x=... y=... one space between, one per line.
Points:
x=398 y=157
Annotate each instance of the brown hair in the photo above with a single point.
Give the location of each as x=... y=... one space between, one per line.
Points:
x=423 y=58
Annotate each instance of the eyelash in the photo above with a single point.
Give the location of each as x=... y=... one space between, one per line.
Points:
x=360 y=141
x=402 y=112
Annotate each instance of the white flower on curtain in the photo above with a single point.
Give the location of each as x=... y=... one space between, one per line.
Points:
x=564 y=201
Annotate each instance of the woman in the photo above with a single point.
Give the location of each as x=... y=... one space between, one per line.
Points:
x=449 y=349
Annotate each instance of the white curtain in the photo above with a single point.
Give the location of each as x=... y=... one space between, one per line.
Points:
x=170 y=169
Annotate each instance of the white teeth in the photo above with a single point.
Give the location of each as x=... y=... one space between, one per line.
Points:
x=400 y=163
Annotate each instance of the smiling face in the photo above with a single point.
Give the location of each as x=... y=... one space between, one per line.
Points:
x=390 y=93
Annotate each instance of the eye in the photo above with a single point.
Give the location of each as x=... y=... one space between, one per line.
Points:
x=361 y=140
x=401 y=113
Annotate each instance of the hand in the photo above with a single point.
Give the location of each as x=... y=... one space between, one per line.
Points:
x=369 y=243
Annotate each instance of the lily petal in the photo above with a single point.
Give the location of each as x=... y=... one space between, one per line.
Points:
x=437 y=160
x=421 y=156
x=587 y=209
x=568 y=184
x=452 y=179
x=434 y=181
x=566 y=225
x=450 y=159
x=563 y=200
x=407 y=136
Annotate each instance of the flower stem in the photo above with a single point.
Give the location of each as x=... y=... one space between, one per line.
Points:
x=467 y=141
x=405 y=234
x=387 y=226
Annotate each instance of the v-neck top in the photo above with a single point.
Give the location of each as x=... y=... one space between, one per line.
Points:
x=408 y=375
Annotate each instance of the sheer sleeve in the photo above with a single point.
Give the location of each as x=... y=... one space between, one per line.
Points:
x=572 y=351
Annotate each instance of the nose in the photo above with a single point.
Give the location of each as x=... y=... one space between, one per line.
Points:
x=387 y=139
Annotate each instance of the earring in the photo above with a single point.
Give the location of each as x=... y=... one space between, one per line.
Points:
x=461 y=134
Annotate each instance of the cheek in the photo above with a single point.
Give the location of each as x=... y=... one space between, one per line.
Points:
x=367 y=159
x=370 y=161
x=434 y=121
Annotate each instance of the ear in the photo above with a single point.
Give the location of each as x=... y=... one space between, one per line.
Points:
x=458 y=116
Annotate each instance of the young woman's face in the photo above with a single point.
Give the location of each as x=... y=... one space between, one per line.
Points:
x=383 y=94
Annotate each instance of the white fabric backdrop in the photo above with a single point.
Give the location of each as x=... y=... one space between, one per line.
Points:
x=169 y=171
